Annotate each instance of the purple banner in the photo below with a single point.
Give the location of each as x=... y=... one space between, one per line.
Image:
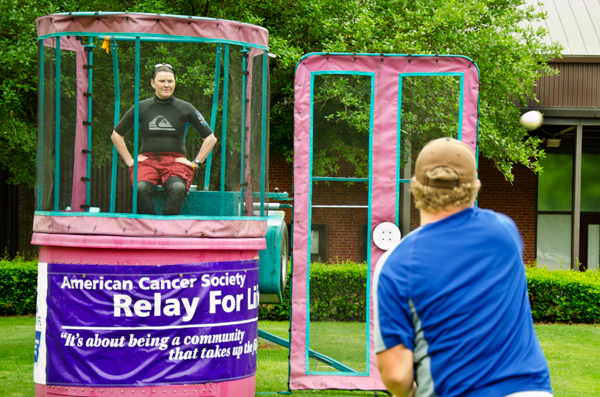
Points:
x=151 y=325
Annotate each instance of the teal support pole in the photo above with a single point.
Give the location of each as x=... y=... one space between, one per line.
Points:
x=243 y=126
x=115 y=154
x=213 y=115
x=263 y=143
x=57 y=130
x=136 y=124
x=89 y=127
x=224 y=126
x=40 y=148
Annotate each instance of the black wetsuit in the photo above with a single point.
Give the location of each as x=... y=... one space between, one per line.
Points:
x=163 y=124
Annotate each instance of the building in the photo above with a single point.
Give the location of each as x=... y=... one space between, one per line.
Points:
x=568 y=191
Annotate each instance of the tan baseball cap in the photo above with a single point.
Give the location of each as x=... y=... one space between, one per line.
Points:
x=446 y=152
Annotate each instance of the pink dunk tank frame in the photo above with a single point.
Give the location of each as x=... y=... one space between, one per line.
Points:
x=388 y=69
x=118 y=239
x=120 y=24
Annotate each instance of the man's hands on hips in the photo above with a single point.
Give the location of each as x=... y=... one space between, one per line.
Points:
x=140 y=159
x=181 y=160
x=187 y=162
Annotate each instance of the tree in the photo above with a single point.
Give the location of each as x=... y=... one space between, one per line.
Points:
x=496 y=34
x=511 y=57
x=18 y=76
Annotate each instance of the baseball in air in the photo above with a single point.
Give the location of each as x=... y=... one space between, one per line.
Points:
x=532 y=120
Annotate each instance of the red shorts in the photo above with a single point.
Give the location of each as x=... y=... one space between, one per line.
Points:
x=158 y=167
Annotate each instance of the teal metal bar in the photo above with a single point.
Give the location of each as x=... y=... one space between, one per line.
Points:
x=115 y=154
x=274 y=338
x=276 y=196
x=291 y=282
x=89 y=127
x=136 y=125
x=398 y=150
x=310 y=190
x=311 y=353
x=40 y=148
x=244 y=52
x=460 y=109
x=263 y=142
x=333 y=178
x=213 y=115
x=224 y=126
x=154 y=38
x=369 y=269
x=57 y=129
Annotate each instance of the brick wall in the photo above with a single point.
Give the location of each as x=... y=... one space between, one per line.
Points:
x=517 y=200
x=343 y=224
x=281 y=175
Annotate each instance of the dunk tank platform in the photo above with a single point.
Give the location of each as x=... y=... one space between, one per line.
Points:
x=132 y=304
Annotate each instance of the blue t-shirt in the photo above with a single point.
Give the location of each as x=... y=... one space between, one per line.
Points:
x=455 y=293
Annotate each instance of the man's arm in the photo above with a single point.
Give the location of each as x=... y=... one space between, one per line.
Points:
x=119 y=143
x=396 y=370
x=207 y=145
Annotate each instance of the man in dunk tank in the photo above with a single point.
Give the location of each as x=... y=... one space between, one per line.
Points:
x=130 y=303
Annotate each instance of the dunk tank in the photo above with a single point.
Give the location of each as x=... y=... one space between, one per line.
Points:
x=132 y=304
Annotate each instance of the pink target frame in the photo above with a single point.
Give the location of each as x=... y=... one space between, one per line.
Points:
x=387 y=70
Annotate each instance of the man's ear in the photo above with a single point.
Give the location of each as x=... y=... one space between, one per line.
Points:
x=152 y=82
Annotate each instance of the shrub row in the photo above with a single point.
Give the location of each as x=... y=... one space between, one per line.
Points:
x=564 y=296
x=18 y=286
x=337 y=293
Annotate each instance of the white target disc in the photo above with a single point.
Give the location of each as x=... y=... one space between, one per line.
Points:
x=386 y=235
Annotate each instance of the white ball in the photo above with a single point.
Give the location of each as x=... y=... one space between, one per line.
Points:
x=532 y=120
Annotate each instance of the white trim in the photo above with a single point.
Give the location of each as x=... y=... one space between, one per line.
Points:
x=39 y=365
x=163 y=327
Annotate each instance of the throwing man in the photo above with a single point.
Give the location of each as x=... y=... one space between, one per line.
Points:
x=452 y=314
x=163 y=121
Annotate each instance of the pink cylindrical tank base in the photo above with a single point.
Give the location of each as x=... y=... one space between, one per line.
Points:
x=236 y=388
x=69 y=250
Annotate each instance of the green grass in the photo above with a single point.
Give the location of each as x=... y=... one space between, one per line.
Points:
x=272 y=365
x=324 y=339
x=573 y=353
x=17 y=336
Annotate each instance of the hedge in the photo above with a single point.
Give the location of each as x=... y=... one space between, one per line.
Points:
x=338 y=293
x=564 y=296
x=556 y=295
x=18 y=286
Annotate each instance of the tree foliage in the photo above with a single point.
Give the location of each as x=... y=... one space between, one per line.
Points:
x=496 y=34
